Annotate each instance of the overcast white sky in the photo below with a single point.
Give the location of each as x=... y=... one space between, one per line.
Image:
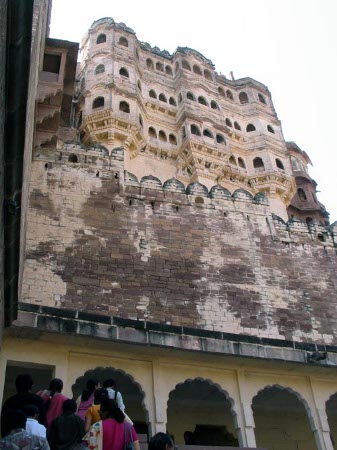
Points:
x=289 y=45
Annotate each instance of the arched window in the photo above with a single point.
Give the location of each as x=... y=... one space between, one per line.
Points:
x=98 y=102
x=202 y=101
x=229 y=123
x=162 y=98
x=241 y=163
x=73 y=158
x=139 y=84
x=101 y=38
x=124 y=106
x=195 y=130
x=214 y=105
x=140 y=121
x=229 y=95
x=162 y=136
x=243 y=97
x=197 y=70
x=172 y=139
x=152 y=94
x=99 y=69
x=172 y=101
x=279 y=164
x=168 y=70
x=294 y=164
x=250 y=128
x=220 y=139
x=301 y=194
x=309 y=220
x=149 y=63
x=270 y=129
x=190 y=96
x=221 y=91
x=258 y=163
x=124 y=72
x=159 y=67
x=123 y=41
x=183 y=132
x=152 y=133
x=208 y=75
x=232 y=160
x=185 y=64
x=208 y=133
x=80 y=119
x=262 y=99
x=180 y=98
x=237 y=126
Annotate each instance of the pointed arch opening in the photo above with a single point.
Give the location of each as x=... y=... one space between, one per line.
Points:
x=282 y=419
x=132 y=393
x=203 y=408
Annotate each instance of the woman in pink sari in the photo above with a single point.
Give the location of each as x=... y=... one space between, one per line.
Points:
x=87 y=398
x=112 y=432
x=53 y=400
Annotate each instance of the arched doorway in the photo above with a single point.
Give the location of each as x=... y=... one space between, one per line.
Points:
x=282 y=420
x=331 y=412
x=203 y=408
x=133 y=395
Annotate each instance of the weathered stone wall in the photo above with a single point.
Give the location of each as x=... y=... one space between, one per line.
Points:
x=99 y=243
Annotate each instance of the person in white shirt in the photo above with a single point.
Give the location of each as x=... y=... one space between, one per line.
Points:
x=32 y=424
x=110 y=385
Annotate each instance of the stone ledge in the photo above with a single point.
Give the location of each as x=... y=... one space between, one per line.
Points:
x=48 y=319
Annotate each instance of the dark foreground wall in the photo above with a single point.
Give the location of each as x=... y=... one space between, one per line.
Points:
x=101 y=243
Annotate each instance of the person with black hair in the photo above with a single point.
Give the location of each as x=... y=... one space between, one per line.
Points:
x=66 y=431
x=32 y=425
x=87 y=398
x=24 y=384
x=18 y=438
x=93 y=413
x=112 y=432
x=53 y=399
x=114 y=394
x=161 y=441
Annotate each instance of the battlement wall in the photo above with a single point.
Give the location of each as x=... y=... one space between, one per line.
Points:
x=99 y=240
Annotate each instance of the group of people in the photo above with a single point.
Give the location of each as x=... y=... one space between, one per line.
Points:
x=50 y=420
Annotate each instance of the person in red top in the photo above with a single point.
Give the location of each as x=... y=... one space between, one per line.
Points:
x=112 y=432
x=53 y=400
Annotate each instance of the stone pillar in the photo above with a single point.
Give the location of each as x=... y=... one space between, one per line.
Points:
x=247 y=419
x=324 y=430
x=319 y=417
x=160 y=400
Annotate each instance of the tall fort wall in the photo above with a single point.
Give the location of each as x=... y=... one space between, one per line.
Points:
x=100 y=240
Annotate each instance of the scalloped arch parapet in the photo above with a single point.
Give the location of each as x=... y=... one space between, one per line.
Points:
x=99 y=148
x=110 y=21
x=261 y=198
x=219 y=191
x=130 y=179
x=174 y=185
x=278 y=219
x=117 y=151
x=151 y=182
x=242 y=194
x=191 y=51
x=73 y=145
x=197 y=188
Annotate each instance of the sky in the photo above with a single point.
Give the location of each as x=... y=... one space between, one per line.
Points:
x=289 y=45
